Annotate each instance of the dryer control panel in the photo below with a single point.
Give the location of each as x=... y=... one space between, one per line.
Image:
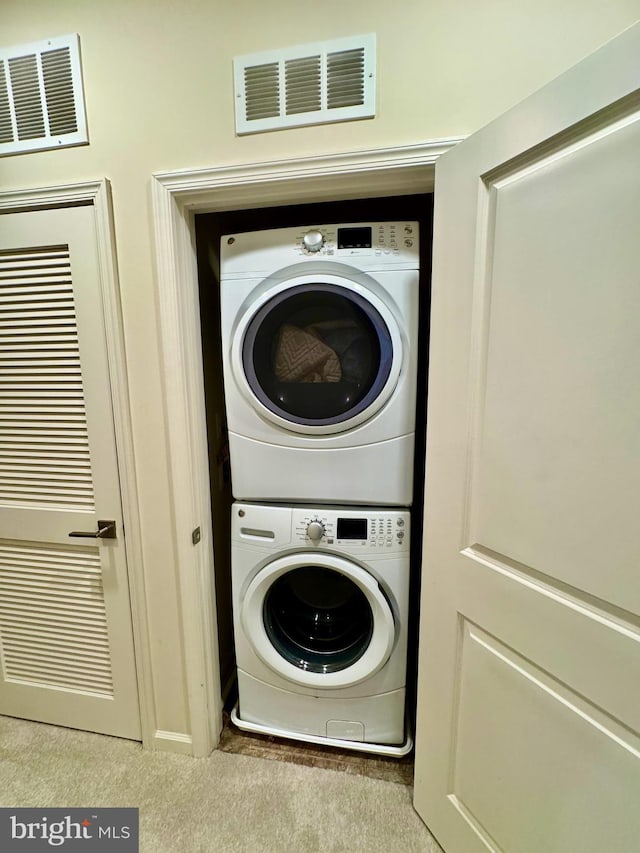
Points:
x=365 y=245
x=352 y=530
x=379 y=239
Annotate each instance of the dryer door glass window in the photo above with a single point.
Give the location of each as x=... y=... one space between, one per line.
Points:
x=317 y=354
x=318 y=619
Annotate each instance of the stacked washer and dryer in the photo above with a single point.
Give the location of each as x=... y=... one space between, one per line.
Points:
x=320 y=334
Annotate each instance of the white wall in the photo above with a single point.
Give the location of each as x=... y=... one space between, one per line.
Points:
x=158 y=84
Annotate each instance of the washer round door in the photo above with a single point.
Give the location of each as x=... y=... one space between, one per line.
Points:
x=317 y=354
x=318 y=620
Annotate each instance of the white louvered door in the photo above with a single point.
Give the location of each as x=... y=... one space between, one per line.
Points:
x=66 y=647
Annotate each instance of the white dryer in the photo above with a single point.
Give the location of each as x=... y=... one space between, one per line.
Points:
x=320 y=606
x=319 y=337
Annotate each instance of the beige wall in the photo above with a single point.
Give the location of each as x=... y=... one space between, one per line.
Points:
x=158 y=84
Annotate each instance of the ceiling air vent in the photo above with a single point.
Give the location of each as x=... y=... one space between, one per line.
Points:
x=308 y=84
x=41 y=99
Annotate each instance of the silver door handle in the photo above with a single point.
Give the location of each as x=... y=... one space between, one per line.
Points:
x=106 y=530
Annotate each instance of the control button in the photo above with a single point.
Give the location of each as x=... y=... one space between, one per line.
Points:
x=408 y=229
x=408 y=244
x=313 y=241
x=315 y=530
x=400 y=534
x=400 y=522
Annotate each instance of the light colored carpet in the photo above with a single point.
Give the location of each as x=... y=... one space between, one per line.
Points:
x=221 y=804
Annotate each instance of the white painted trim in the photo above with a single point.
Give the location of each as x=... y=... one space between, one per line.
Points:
x=176 y=197
x=97 y=194
x=172 y=742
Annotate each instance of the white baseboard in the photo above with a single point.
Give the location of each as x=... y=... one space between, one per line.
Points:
x=173 y=742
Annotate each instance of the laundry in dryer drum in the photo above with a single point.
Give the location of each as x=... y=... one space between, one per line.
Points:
x=302 y=356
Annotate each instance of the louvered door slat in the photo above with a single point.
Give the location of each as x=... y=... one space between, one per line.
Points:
x=45 y=640
x=38 y=635
x=19 y=413
x=42 y=588
x=18 y=366
x=40 y=340
x=52 y=597
x=25 y=481
x=57 y=437
x=33 y=566
x=64 y=454
x=11 y=317
x=53 y=398
x=25 y=498
x=39 y=609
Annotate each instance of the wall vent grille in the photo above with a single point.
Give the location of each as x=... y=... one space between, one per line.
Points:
x=308 y=84
x=41 y=97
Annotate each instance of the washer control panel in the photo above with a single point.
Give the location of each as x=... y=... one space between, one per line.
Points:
x=353 y=530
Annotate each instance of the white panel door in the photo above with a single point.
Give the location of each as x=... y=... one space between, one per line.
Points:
x=528 y=727
x=66 y=648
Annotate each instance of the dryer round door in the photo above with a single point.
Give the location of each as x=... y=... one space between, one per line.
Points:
x=318 y=620
x=317 y=354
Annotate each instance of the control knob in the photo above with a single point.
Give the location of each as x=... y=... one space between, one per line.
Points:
x=313 y=241
x=315 y=531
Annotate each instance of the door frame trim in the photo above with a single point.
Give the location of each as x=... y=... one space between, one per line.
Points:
x=177 y=197
x=97 y=195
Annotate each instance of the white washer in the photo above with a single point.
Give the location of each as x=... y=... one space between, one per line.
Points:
x=320 y=608
x=319 y=338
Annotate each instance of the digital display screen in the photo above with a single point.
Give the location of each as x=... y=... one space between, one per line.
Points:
x=352 y=528
x=354 y=238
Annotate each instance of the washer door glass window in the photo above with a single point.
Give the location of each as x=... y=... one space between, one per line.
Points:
x=318 y=619
x=317 y=354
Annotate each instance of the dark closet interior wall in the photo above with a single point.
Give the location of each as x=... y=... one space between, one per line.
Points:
x=210 y=227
